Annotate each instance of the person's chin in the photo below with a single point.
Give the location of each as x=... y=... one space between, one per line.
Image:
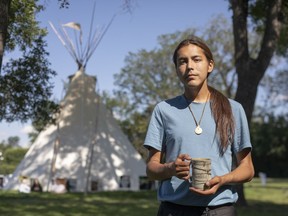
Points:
x=192 y=84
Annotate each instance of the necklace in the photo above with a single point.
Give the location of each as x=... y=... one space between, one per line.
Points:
x=198 y=130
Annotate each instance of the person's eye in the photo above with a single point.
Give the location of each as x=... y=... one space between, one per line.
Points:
x=182 y=61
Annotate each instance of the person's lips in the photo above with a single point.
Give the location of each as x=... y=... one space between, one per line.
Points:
x=191 y=77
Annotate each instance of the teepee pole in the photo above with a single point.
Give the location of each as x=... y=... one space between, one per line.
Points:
x=64 y=38
x=54 y=157
x=97 y=40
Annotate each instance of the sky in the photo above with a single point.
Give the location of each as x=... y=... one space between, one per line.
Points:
x=129 y=32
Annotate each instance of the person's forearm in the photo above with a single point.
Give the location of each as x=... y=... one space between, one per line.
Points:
x=243 y=173
x=157 y=171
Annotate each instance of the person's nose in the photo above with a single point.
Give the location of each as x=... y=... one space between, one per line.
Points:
x=190 y=65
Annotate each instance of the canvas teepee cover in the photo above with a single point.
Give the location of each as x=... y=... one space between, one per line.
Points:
x=86 y=147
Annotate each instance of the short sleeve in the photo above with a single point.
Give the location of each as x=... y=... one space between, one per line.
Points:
x=155 y=131
x=242 y=134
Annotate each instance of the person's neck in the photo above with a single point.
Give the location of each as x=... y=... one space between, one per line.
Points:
x=197 y=95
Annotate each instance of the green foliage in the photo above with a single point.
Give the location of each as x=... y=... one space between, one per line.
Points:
x=270 y=136
x=149 y=76
x=12 y=156
x=146 y=78
x=13 y=141
x=257 y=12
x=25 y=87
x=219 y=37
x=270 y=145
x=23 y=28
x=46 y=114
x=135 y=128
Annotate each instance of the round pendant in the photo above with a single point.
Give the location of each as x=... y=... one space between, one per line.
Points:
x=198 y=130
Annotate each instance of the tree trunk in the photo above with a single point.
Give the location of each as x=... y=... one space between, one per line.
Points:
x=250 y=71
x=247 y=91
x=4 y=17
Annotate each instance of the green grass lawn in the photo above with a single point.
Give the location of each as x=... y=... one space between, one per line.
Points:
x=271 y=200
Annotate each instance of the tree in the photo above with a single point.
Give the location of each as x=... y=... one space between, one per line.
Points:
x=149 y=76
x=270 y=19
x=13 y=141
x=11 y=155
x=19 y=27
x=19 y=30
x=135 y=128
x=223 y=76
x=4 y=18
x=25 y=86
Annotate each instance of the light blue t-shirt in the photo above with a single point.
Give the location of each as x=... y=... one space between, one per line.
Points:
x=172 y=125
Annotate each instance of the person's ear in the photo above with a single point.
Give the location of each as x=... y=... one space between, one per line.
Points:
x=211 y=66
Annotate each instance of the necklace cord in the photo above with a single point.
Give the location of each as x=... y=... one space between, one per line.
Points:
x=198 y=123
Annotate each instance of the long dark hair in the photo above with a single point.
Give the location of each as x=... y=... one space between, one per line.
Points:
x=220 y=105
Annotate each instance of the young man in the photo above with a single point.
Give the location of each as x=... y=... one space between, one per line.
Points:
x=200 y=123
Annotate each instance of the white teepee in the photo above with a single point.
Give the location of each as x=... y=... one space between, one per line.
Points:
x=86 y=148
